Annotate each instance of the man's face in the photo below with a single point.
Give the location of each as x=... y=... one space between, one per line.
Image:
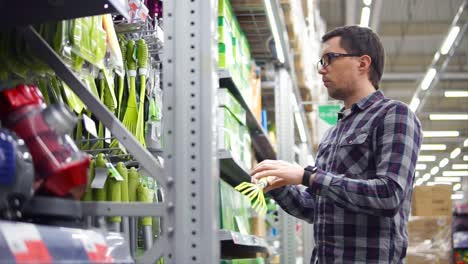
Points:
x=338 y=72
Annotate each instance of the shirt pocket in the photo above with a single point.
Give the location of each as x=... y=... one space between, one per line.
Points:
x=353 y=154
x=323 y=154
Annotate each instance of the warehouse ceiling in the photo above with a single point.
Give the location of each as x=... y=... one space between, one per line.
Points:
x=412 y=31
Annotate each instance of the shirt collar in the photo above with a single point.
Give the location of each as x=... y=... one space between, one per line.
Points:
x=363 y=103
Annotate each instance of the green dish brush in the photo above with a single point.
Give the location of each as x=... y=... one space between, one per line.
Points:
x=131 y=113
x=142 y=55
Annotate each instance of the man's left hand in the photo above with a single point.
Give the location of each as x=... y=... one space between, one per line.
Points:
x=285 y=173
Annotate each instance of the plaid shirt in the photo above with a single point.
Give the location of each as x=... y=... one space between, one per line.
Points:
x=360 y=197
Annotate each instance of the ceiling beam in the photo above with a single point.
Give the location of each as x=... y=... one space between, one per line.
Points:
x=404 y=77
x=376 y=12
x=351 y=12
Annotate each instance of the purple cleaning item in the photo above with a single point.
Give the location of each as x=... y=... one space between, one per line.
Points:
x=154 y=7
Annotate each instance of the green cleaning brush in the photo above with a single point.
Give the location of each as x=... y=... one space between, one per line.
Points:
x=142 y=55
x=254 y=192
x=131 y=113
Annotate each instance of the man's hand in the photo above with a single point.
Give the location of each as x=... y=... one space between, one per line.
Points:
x=279 y=173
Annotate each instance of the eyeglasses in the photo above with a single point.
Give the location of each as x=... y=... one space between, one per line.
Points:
x=328 y=58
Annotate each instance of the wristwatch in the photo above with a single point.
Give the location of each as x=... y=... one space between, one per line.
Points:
x=308 y=171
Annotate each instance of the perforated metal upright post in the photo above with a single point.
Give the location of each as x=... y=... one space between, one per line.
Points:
x=190 y=83
x=285 y=135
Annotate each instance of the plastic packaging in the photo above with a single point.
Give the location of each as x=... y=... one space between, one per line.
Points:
x=60 y=168
x=29 y=243
x=429 y=239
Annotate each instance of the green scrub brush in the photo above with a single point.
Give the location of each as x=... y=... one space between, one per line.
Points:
x=146 y=196
x=88 y=195
x=254 y=193
x=101 y=194
x=142 y=55
x=131 y=113
x=114 y=194
x=133 y=181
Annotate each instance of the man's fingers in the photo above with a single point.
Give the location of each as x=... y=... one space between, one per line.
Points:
x=264 y=174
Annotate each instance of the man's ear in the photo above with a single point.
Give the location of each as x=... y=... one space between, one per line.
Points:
x=365 y=62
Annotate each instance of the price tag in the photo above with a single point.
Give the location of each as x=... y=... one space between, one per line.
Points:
x=113 y=172
x=90 y=125
x=107 y=135
x=100 y=177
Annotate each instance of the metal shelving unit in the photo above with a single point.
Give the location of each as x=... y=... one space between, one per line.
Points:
x=235 y=244
x=262 y=145
x=40 y=11
x=232 y=171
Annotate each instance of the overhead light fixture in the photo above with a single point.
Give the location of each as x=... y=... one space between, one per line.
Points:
x=447 y=179
x=443 y=162
x=433 y=147
x=274 y=29
x=426 y=177
x=367 y=2
x=435 y=170
x=298 y=118
x=455 y=173
x=438 y=183
x=419 y=182
x=426 y=158
x=457 y=196
x=436 y=56
x=365 y=16
x=465 y=143
x=426 y=82
x=441 y=133
x=416 y=174
x=414 y=104
x=421 y=166
x=456 y=187
x=448 y=116
x=449 y=40
x=456 y=93
x=455 y=153
x=460 y=167
x=465 y=158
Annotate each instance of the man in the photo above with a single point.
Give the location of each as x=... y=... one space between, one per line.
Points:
x=358 y=194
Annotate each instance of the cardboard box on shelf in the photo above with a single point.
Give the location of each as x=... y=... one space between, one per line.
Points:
x=432 y=200
x=258 y=225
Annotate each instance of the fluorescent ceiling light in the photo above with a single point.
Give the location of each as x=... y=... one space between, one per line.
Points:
x=438 y=183
x=416 y=174
x=449 y=40
x=365 y=16
x=443 y=162
x=426 y=82
x=367 y=2
x=457 y=196
x=465 y=143
x=414 y=104
x=274 y=29
x=426 y=158
x=456 y=187
x=465 y=158
x=455 y=153
x=421 y=166
x=455 y=173
x=441 y=133
x=435 y=170
x=456 y=93
x=419 y=182
x=426 y=177
x=460 y=167
x=448 y=116
x=447 y=179
x=433 y=147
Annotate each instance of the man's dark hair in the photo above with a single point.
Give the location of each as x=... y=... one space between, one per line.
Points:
x=362 y=41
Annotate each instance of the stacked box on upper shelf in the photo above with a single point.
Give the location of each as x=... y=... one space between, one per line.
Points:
x=234 y=136
x=234 y=55
x=226 y=99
